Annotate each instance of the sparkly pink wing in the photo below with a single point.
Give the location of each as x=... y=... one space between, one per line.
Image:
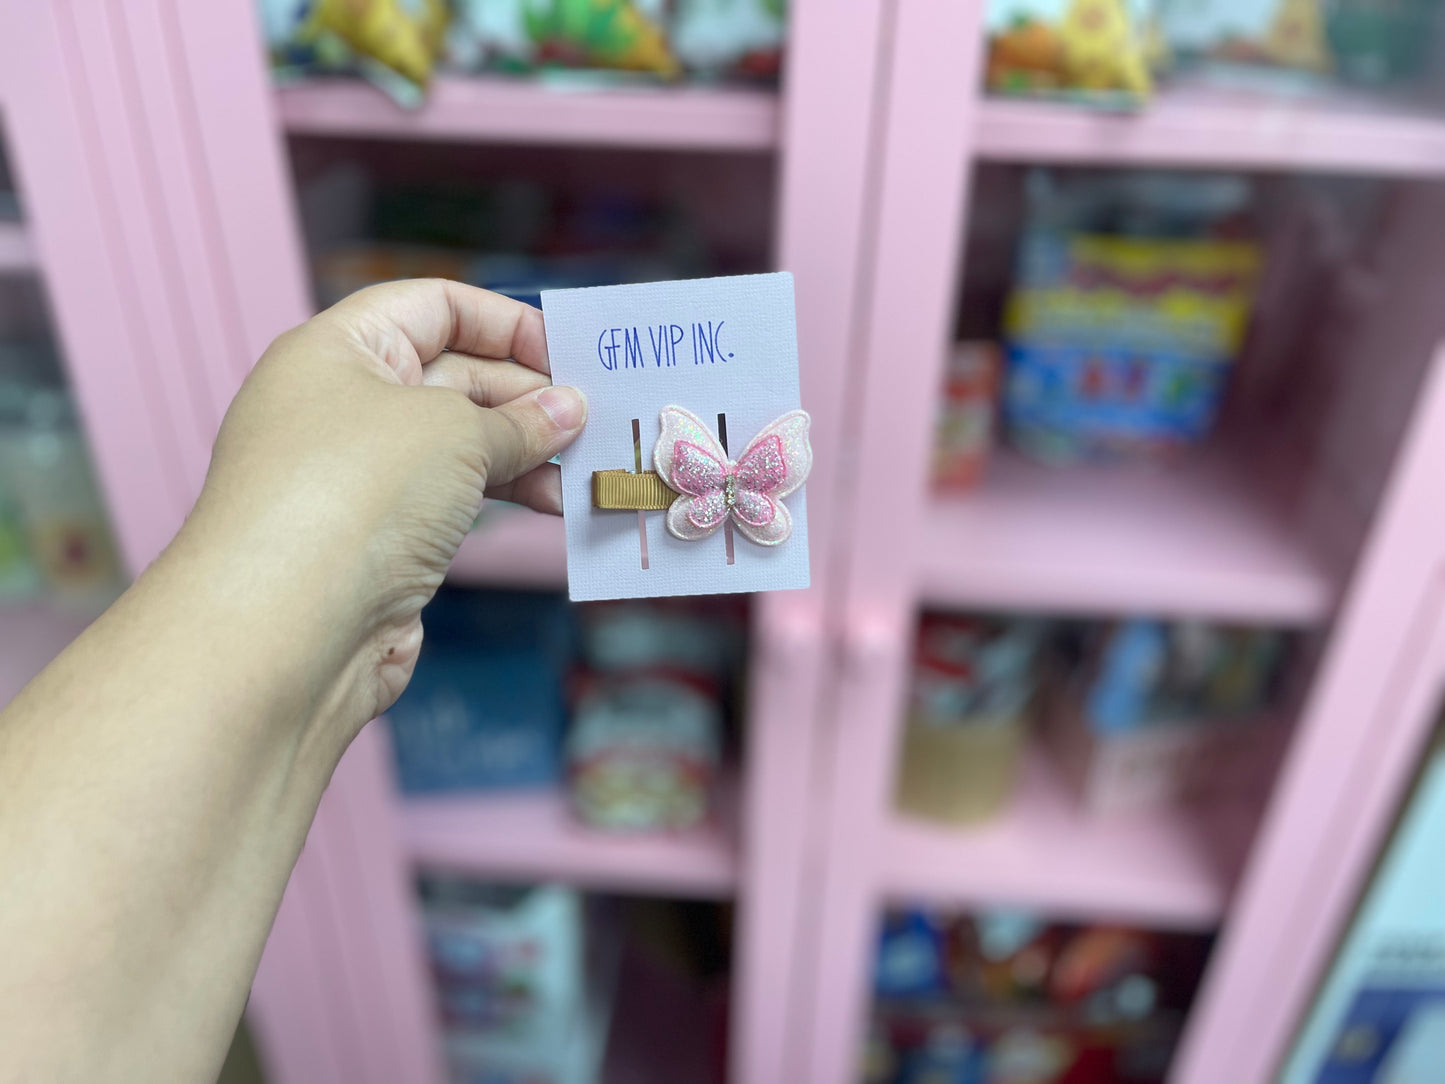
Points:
x=775 y=463
x=689 y=458
x=787 y=437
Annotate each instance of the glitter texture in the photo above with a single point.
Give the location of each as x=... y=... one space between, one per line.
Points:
x=775 y=464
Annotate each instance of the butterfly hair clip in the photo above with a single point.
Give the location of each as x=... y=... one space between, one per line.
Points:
x=703 y=490
x=711 y=487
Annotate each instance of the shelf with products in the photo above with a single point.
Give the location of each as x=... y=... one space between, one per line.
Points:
x=982 y=990
x=616 y=987
x=1196 y=539
x=1107 y=770
x=1173 y=867
x=494 y=109
x=580 y=744
x=537 y=218
x=535 y=835
x=1278 y=85
x=1147 y=347
x=1204 y=128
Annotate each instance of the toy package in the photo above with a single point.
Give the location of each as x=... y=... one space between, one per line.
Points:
x=486 y=706
x=1096 y=51
x=1120 y=345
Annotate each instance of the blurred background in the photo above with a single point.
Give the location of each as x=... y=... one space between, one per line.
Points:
x=1103 y=747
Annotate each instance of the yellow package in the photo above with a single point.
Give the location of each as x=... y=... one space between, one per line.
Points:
x=1096 y=48
x=402 y=35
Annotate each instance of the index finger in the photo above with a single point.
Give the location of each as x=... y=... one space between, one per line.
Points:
x=437 y=314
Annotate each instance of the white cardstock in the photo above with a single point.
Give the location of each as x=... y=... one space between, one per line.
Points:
x=712 y=346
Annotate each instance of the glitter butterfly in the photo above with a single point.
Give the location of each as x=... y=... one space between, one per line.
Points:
x=750 y=489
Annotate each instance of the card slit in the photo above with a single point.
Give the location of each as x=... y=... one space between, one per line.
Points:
x=641 y=516
x=722 y=438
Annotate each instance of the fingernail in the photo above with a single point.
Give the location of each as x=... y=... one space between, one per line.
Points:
x=565 y=406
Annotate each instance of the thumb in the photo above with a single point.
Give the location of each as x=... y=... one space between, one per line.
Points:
x=530 y=430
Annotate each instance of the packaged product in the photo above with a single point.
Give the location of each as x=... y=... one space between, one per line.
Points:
x=1125 y=316
x=965 y=424
x=524 y=977
x=973 y=678
x=1156 y=713
x=730 y=37
x=1378 y=43
x=643 y=753
x=485 y=708
x=1281 y=33
x=1096 y=50
x=645 y=745
x=522 y=35
x=393 y=43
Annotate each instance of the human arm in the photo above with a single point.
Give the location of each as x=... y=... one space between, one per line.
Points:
x=157 y=780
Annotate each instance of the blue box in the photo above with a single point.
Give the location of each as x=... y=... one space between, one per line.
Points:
x=486 y=707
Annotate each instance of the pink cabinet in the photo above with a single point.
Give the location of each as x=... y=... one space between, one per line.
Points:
x=151 y=149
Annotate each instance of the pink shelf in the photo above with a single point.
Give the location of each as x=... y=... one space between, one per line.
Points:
x=1221 y=129
x=1198 y=540
x=16 y=252
x=1173 y=868
x=532 y=835
x=30 y=636
x=513 y=547
x=527 y=111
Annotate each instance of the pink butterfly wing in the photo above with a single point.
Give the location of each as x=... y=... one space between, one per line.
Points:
x=791 y=435
x=684 y=448
x=762 y=468
x=682 y=425
x=695 y=471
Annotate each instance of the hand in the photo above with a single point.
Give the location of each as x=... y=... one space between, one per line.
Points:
x=355 y=458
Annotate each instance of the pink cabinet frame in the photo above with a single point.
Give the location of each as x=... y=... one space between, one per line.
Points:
x=148 y=142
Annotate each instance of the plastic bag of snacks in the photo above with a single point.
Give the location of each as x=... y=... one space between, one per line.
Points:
x=393 y=43
x=1096 y=50
x=645 y=744
x=521 y=35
